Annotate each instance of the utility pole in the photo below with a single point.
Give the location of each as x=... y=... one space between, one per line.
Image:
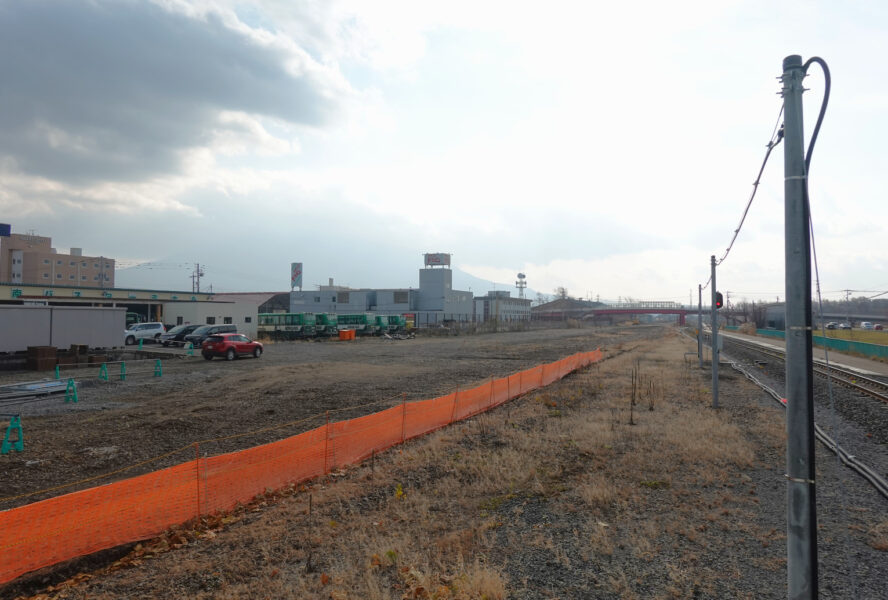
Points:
x=715 y=353
x=195 y=278
x=700 y=324
x=801 y=517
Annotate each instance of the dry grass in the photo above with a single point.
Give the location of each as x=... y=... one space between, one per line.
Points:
x=470 y=511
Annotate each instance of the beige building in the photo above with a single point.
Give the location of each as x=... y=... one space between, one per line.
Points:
x=31 y=260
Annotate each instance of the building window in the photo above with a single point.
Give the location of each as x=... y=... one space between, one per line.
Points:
x=179 y=320
x=73 y=263
x=70 y=276
x=227 y=321
x=46 y=275
x=107 y=266
x=83 y=264
x=95 y=265
x=58 y=275
x=83 y=277
x=95 y=277
x=211 y=320
x=248 y=319
x=45 y=261
x=58 y=262
x=400 y=298
x=317 y=298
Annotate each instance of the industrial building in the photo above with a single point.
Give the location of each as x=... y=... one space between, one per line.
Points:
x=500 y=306
x=434 y=301
x=27 y=259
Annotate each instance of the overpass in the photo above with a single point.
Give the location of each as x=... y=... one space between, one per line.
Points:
x=559 y=310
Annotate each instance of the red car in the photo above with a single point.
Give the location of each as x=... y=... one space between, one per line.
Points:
x=230 y=345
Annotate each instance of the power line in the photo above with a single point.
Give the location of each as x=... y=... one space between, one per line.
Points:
x=776 y=138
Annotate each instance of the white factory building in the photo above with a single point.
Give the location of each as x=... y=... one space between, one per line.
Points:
x=434 y=301
x=500 y=306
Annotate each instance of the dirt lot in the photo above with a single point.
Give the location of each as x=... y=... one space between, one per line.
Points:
x=568 y=492
x=118 y=424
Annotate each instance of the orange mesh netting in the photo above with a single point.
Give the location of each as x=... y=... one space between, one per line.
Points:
x=50 y=531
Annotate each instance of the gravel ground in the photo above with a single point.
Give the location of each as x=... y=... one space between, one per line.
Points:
x=722 y=536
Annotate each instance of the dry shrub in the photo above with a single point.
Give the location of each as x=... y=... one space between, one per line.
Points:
x=878 y=536
x=747 y=328
x=596 y=491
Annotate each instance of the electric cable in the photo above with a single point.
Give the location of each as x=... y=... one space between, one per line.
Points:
x=829 y=384
x=776 y=138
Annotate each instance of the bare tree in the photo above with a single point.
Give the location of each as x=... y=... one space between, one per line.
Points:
x=561 y=292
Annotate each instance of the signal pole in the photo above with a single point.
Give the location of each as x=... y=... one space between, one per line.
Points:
x=700 y=324
x=801 y=517
x=715 y=353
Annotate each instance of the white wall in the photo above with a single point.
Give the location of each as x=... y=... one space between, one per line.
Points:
x=60 y=326
x=243 y=314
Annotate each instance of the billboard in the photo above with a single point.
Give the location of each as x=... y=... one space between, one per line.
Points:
x=295 y=275
x=5 y=229
x=437 y=260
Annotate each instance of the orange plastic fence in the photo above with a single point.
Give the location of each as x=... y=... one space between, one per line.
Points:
x=50 y=531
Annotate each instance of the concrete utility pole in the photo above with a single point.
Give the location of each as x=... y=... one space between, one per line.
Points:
x=700 y=324
x=801 y=517
x=715 y=353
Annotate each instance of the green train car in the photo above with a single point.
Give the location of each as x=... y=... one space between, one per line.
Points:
x=391 y=323
x=294 y=326
x=286 y=326
x=362 y=323
x=326 y=324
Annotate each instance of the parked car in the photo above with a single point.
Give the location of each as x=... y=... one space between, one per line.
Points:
x=845 y=326
x=832 y=325
x=230 y=345
x=877 y=327
x=176 y=335
x=143 y=331
x=866 y=325
x=198 y=336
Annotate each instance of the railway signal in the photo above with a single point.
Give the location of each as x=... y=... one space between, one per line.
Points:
x=718 y=300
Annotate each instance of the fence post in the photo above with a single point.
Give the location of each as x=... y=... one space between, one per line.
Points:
x=123 y=371
x=490 y=398
x=326 y=439
x=71 y=391
x=403 y=416
x=455 y=404
x=158 y=368
x=103 y=372
x=57 y=374
x=197 y=474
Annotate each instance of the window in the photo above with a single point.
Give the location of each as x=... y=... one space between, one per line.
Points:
x=83 y=277
x=211 y=320
x=401 y=298
x=46 y=275
x=58 y=275
x=70 y=276
x=95 y=265
x=107 y=266
x=58 y=262
x=83 y=264
x=317 y=298
x=45 y=261
x=179 y=320
x=342 y=297
x=248 y=319
x=227 y=320
x=72 y=263
x=95 y=277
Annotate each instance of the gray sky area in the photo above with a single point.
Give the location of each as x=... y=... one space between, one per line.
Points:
x=608 y=148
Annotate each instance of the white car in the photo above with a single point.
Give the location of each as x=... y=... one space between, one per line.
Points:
x=866 y=325
x=143 y=331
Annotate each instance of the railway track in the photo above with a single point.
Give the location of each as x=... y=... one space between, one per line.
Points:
x=851 y=380
x=869 y=386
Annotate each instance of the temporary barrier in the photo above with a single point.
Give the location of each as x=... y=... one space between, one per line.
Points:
x=50 y=531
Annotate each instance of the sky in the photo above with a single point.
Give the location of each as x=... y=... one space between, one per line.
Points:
x=606 y=148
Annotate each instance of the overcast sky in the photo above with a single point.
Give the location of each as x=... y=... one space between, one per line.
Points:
x=608 y=148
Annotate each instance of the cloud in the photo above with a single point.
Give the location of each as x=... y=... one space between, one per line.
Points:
x=105 y=91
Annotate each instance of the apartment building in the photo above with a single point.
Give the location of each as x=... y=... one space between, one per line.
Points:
x=27 y=259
